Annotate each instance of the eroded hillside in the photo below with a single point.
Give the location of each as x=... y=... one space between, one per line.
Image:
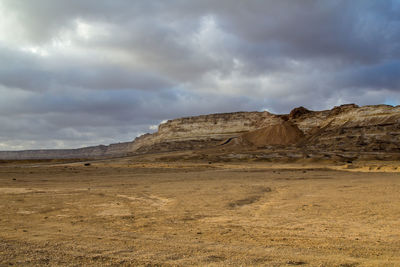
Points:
x=345 y=131
x=357 y=131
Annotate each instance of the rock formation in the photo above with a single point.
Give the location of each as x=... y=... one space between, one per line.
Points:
x=346 y=130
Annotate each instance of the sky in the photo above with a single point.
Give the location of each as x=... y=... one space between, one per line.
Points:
x=76 y=73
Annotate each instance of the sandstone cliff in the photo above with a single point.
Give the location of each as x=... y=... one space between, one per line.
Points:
x=202 y=131
x=346 y=128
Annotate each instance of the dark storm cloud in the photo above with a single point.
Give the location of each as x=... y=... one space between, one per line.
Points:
x=385 y=75
x=78 y=73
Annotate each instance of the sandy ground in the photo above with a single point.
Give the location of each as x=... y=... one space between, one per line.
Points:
x=164 y=214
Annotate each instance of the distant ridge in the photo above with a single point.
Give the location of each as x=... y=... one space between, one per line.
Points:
x=346 y=129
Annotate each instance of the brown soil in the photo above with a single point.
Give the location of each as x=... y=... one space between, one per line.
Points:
x=131 y=213
x=285 y=133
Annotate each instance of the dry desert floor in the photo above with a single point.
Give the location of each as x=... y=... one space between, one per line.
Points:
x=197 y=214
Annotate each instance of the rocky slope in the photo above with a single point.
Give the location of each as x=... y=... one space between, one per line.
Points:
x=343 y=130
x=352 y=128
x=101 y=151
x=203 y=131
x=346 y=127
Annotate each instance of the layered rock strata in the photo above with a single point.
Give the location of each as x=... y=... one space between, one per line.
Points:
x=343 y=129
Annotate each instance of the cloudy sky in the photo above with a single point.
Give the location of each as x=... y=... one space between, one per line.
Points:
x=86 y=72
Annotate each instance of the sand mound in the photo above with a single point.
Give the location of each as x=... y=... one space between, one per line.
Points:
x=285 y=133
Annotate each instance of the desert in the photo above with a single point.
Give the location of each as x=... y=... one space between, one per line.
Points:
x=130 y=212
x=215 y=190
x=200 y=133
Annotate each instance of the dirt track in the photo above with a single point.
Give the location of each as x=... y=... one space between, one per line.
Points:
x=164 y=214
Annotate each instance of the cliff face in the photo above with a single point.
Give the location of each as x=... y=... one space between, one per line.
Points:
x=348 y=116
x=344 y=128
x=215 y=125
x=351 y=128
x=205 y=129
